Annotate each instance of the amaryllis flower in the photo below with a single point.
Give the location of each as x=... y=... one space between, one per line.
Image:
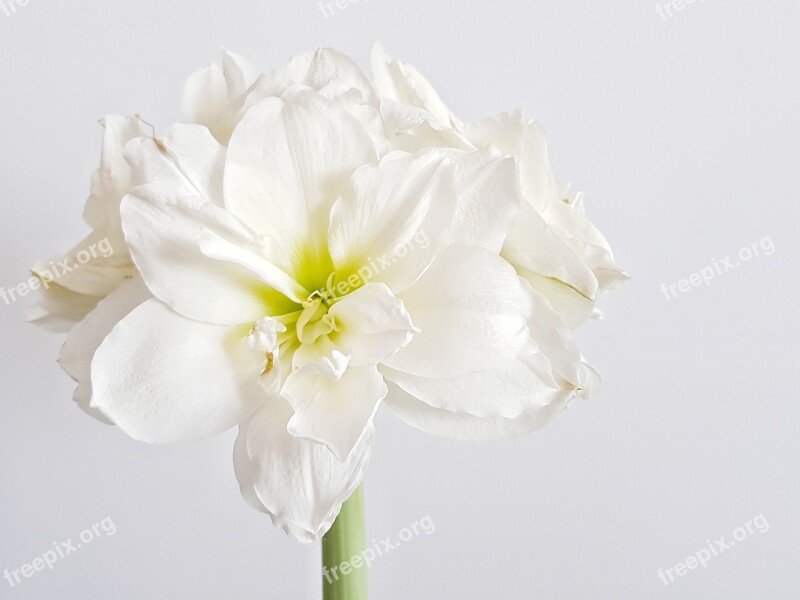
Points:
x=299 y=281
x=308 y=246
x=552 y=243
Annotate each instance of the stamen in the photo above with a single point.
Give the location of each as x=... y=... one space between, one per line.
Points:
x=270 y=363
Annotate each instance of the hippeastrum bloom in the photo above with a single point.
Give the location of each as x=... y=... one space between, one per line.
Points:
x=309 y=245
x=552 y=243
x=301 y=279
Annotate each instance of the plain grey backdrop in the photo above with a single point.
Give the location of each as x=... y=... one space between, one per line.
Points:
x=682 y=129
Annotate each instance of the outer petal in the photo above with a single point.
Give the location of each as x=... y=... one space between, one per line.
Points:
x=239 y=73
x=84 y=340
x=569 y=221
x=58 y=309
x=489 y=198
x=326 y=71
x=95 y=267
x=548 y=363
x=462 y=426
x=187 y=159
x=202 y=261
x=299 y=483
x=396 y=221
x=518 y=135
x=113 y=179
x=215 y=97
x=533 y=246
x=335 y=412
x=205 y=95
x=472 y=310
x=164 y=378
x=413 y=114
x=555 y=340
x=572 y=306
x=287 y=164
x=523 y=384
x=403 y=84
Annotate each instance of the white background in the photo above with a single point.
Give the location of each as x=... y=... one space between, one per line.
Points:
x=683 y=131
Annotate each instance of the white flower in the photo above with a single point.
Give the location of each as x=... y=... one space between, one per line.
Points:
x=552 y=243
x=272 y=313
x=304 y=249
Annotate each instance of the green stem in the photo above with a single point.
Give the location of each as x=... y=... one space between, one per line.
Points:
x=342 y=577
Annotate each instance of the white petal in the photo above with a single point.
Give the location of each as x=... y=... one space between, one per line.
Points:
x=489 y=198
x=113 y=179
x=570 y=223
x=202 y=261
x=336 y=413
x=215 y=98
x=372 y=324
x=533 y=246
x=287 y=164
x=573 y=307
x=402 y=83
x=472 y=311
x=239 y=73
x=323 y=358
x=95 y=267
x=462 y=426
x=187 y=159
x=518 y=135
x=84 y=340
x=325 y=71
x=163 y=378
x=299 y=483
x=553 y=337
x=58 y=309
x=413 y=114
x=396 y=221
x=523 y=384
x=205 y=95
x=590 y=380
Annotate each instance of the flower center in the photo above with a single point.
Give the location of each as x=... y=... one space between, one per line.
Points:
x=314 y=321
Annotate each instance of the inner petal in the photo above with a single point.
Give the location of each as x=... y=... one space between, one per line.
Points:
x=314 y=322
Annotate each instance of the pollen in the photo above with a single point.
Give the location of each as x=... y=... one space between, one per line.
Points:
x=270 y=363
